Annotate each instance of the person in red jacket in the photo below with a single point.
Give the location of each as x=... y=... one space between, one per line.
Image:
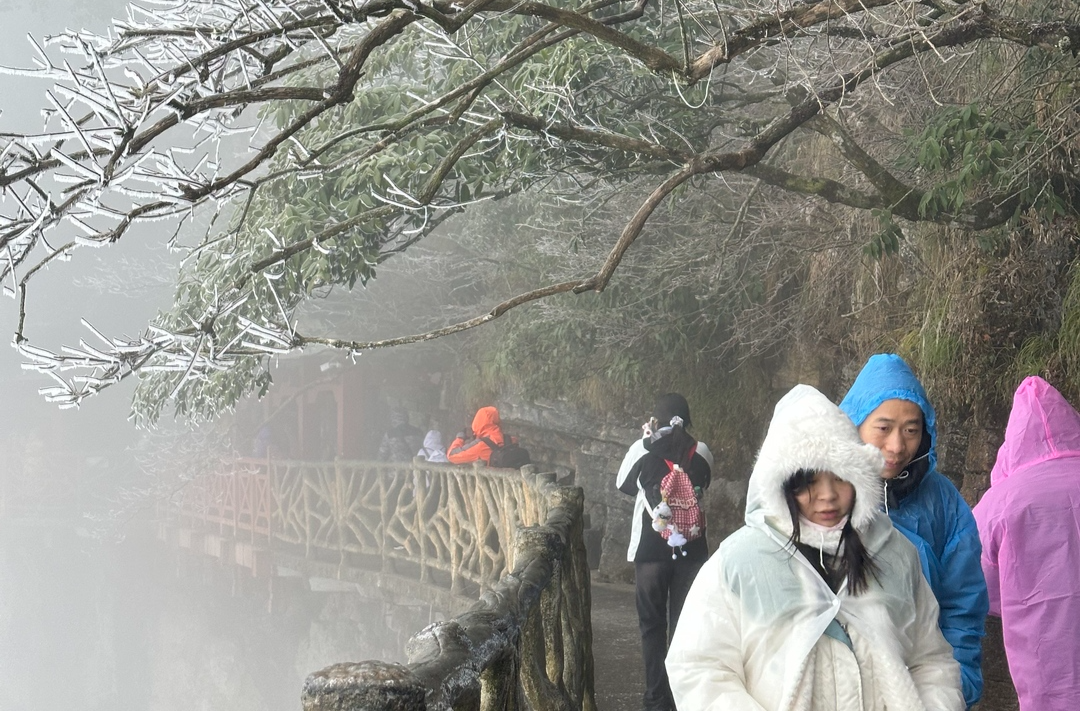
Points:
x=471 y=446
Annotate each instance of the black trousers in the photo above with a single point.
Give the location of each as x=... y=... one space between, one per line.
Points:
x=661 y=591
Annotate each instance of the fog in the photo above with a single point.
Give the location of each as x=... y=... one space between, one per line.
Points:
x=95 y=612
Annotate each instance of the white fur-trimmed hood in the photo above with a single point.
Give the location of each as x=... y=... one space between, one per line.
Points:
x=809 y=432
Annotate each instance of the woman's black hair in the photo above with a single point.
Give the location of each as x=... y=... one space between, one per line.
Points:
x=856 y=560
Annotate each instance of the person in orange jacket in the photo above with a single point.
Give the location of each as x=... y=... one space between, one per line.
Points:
x=471 y=446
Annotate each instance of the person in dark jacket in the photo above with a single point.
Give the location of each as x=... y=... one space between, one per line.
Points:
x=889 y=406
x=401 y=440
x=662 y=574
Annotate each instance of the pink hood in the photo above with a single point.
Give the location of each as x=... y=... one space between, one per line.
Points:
x=1029 y=524
x=1042 y=426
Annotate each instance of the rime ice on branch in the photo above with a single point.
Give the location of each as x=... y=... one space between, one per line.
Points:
x=303 y=142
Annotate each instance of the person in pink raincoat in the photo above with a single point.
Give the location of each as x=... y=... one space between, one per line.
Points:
x=1029 y=523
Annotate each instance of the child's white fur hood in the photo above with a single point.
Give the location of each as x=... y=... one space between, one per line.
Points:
x=809 y=432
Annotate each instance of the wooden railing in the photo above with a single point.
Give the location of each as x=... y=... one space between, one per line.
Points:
x=515 y=535
x=456 y=520
x=238 y=499
x=527 y=643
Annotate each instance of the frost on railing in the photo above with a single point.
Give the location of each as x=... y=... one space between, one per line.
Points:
x=451 y=524
x=516 y=535
x=527 y=643
x=442 y=518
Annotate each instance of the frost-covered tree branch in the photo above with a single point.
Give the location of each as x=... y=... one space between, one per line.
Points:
x=317 y=138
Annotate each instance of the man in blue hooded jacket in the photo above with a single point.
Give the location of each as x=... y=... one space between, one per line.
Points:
x=889 y=406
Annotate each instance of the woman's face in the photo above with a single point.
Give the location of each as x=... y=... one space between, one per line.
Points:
x=827 y=499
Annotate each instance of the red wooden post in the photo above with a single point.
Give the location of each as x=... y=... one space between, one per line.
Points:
x=339 y=396
x=270 y=501
x=235 y=501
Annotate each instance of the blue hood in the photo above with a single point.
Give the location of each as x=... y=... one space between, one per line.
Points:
x=887 y=377
x=935 y=518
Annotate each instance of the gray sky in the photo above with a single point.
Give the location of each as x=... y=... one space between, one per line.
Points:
x=55 y=302
x=125 y=630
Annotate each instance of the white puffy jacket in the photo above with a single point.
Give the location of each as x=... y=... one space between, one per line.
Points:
x=750 y=637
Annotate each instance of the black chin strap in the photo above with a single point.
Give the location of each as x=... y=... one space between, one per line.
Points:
x=903 y=476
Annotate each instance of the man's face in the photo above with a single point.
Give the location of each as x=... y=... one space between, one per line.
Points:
x=896 y=428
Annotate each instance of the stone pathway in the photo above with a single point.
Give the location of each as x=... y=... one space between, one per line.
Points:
x=616 y=648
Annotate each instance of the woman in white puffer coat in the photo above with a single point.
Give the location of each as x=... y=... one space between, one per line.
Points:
x=817 y=603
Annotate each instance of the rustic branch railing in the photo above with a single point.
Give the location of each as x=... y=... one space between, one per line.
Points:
x=457 y=520
x=527 y=643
